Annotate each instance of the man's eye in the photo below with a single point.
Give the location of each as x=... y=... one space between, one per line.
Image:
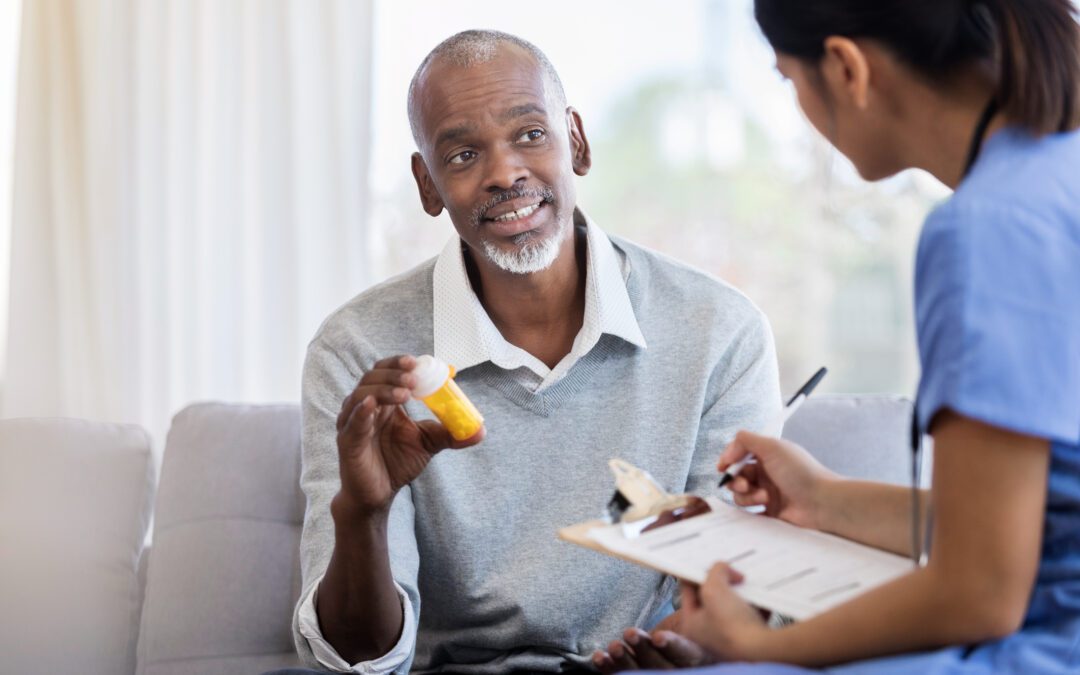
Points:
x=462 y=157
x=532 y=135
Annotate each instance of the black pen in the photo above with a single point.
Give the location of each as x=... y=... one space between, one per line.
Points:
x=776 y=424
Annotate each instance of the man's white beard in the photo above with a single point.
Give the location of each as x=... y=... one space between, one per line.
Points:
x=531 y=256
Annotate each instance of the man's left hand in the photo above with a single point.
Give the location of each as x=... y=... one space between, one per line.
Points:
x=663 y=649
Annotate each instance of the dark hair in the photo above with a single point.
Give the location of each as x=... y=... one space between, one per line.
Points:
x=1033 y=44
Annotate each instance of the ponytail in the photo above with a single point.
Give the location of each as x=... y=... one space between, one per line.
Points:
x=1039 y=63
x=1034 y=45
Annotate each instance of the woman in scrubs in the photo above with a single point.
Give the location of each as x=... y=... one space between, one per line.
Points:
x=984 y=95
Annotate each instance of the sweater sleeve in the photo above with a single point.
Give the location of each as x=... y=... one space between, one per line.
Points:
x=744 y=391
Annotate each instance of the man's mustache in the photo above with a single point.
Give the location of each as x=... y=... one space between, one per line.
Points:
x=543 y=193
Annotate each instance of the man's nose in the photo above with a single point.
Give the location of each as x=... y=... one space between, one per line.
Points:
x=504 y=168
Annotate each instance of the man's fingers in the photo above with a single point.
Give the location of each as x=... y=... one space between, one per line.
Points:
x=390 y=381
x=436 y=436
x=645 y=654
x=678 y=650
x=385 y=394
x=622 y=655
x=392 y=376
x=603 y=662
x=650 y=658
x=400 y=362
x=361 y=423
x=385 y=412
x=470 y=441
x=347 y=407
x=439 y=438
x=634 y=637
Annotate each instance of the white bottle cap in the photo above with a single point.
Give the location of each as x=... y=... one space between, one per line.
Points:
x=431 y=373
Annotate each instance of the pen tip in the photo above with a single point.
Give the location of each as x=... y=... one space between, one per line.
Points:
x=724 y=480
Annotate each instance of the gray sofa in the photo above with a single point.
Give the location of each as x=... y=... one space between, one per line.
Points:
x=215 y=593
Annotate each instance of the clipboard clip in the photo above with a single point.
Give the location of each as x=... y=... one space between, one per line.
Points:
x=640 y=504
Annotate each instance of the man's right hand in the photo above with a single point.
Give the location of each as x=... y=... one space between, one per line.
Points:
x=380 y=448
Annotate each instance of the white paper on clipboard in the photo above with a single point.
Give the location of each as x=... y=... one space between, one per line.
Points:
x=787 y=569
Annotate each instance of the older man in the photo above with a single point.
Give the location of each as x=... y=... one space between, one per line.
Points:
x=577 y=347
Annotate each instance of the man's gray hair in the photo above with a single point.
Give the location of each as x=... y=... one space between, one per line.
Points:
x=469 y=48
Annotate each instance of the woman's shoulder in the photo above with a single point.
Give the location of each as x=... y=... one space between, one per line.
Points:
x=1021 y=177
x=1012 y=229
x=997 y=311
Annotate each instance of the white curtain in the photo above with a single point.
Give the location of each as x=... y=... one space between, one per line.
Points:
x=189 y=203
x=9 y=43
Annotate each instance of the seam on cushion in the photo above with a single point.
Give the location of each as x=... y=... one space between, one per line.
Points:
x=202 y=519
x=276 y=652
x=137 y=596
x=860 y=398
x=236 y=408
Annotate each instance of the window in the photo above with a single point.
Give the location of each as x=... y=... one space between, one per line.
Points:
x=699 y=152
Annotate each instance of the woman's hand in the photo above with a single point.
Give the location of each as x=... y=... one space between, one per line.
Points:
x=717 y=619
x=786 y=479
x=663 y=649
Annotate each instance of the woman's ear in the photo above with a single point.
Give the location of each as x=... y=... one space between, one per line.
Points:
x=846 y=71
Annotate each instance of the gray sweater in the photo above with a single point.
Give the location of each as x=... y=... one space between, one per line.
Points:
x=473 y=539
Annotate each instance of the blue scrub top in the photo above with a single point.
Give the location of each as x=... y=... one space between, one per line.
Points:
x=997 y=304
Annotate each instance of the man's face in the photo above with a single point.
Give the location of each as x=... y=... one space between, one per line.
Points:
x=499 y=154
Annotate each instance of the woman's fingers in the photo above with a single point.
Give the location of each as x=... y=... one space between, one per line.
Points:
x=759 y=497
x=734 y=451
x=724 y=575
x=689 y=595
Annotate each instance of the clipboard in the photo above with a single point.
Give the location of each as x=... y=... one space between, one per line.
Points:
x=791 y=570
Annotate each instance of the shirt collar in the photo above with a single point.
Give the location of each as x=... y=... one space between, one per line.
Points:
x=465 y=336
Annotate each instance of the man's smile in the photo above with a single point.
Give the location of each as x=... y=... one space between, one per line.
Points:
x=519 y=213
x=513 y=222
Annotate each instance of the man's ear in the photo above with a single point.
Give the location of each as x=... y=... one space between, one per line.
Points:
x=429 y=196
x=581 y=155
x=846 y=70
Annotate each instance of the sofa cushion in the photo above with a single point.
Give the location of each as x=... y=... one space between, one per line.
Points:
x=224 y=571
x=860 y=436
x=75 y=501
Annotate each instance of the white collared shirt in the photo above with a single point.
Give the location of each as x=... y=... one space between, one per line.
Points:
x=465 y=336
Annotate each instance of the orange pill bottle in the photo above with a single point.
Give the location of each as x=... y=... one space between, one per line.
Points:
x=435 y=386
